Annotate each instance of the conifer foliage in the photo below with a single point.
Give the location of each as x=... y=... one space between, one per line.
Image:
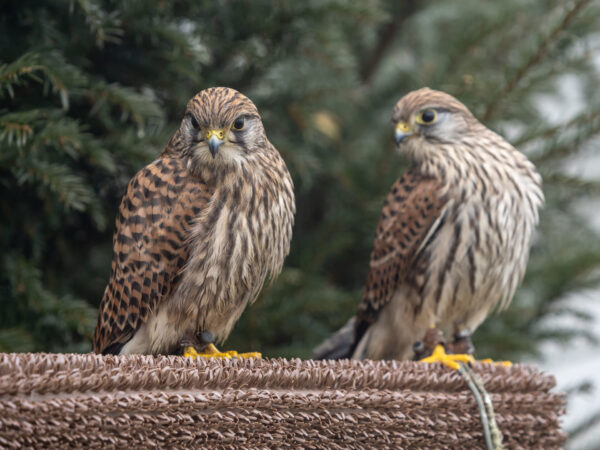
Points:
x=91 y=90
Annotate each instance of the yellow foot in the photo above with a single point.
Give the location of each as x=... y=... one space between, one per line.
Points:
x=451 y=361
x=212 y=352
x=497 y=363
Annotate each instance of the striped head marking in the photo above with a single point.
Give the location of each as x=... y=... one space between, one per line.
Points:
x=426 y=117
x=220 y=126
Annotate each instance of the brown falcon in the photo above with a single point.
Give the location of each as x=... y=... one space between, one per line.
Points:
x=454 y=234
x=198 y=232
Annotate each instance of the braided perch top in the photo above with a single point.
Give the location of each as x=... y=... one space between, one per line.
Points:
x=61 y=400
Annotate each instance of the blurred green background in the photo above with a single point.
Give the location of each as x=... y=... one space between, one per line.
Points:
x=90 y=91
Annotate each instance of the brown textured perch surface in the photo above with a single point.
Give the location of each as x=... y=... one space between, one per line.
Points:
x=64 y=400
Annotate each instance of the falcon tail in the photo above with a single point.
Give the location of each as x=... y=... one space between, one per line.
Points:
x=339 y=345
x=113 y=349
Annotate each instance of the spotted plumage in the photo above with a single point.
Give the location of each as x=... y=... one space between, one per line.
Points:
x=198 y=230
x=453 y=239
x=408 y=213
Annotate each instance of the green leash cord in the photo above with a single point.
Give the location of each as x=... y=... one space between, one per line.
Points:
x=491 y=432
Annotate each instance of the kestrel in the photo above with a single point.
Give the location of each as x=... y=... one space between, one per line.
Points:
x=453 y=239
x=198 y=232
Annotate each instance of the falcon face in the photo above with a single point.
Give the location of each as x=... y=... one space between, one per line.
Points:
x=220 y=128
x=425 y=119
x=453 y=239
x=198 y=231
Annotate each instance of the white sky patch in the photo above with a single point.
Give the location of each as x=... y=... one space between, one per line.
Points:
x=566 y=102
x=575 y=363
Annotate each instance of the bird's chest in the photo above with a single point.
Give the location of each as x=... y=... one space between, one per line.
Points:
x=474 y=255
x=233 y=240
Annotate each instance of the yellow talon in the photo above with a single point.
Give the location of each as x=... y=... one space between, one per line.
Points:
x=498 y=363
x=212 y=352
x=190 y=352
x=451 y=361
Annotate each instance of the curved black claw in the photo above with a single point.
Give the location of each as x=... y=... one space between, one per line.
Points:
x=425 y=347
x=204 y=338
x=419 y=350
x=198 y=340
x=462 y=342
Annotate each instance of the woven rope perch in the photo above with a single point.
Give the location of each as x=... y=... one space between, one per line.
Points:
x=59 y=401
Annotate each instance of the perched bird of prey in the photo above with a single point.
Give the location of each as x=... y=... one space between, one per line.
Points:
x=198 y=232
x=453 y=239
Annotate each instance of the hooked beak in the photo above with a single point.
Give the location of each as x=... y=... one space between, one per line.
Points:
x=215 y=138
x=403 y=130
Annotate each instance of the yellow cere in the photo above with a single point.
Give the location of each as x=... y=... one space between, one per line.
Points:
x=218 y=133
x=403 y=127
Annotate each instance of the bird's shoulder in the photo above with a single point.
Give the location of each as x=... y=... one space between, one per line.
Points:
x=414 y=201
x=411 y=208
x=150 y=246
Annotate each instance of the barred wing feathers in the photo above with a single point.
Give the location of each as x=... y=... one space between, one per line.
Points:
x=150 y=248
x=408 y=218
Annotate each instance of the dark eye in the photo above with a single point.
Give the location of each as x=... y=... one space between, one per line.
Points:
x=239 y=123
x=194 y=123
x=426 y=117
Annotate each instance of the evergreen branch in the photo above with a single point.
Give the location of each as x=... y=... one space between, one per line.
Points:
x=99 y=156
x=498 y=34
x=141 y=109
x=24 y=280
x=70 y=189
x=551 y=132
x=386 y=39
x=184 y=43
x=590 y=187
x=16 y=339
x=49 y=128
x=565 y=334
x=534 y=59
x=17 y=72
x=18 y=128
x=105 y=26
x=69 y=137
x=14 y=132
x=61 y=76
x=51 y=70
x=137 y=152
x=63 y=134
x=583 y=387
x=571 y=143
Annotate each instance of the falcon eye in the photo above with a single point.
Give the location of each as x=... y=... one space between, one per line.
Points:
x=427 y=117
x=194 y=123
x=239 y=123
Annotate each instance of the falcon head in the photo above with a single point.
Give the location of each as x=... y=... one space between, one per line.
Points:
x=425 y=119
x=221 y=127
